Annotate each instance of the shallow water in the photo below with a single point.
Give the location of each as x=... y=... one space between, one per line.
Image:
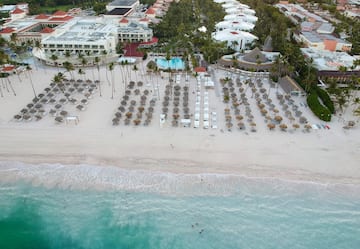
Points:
x=56 y=206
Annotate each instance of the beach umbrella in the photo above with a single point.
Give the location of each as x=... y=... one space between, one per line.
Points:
x=123 y=103
x=27 y=117
x=261 y=106
x=165 y=109
x=38 y=117
x=133 y=102
x=44 y=100
x=115 y=121
x=50 y=95
x=271 y=126
x=298 y=113
x=24 y=110
x=80 y=90
x=239 y=117
x=237 y=111
x=129 y=115
x=229 y=125
x=146 y=92
x=18 y=117
x=307 y=127
x=62 y=101
x=137 y=121
x=30 y=105
x=296 y=126
x=176 y=110
x=131 y=108
x=38 y=106
x=351 y=123
x=127 y=121
x=47 y=89
x=241 y=89
x=56 y=90
x=275 y=110
x=186 y=110
x=52 y=112
x=283 y=127
x=175 y=123
x=263 y=112
x=59 y=119
x=143 y=97
x=141 y=109
x=127 y=92
x=121 y=109
x=228 y=118
x=176 y=115
x=73 y=101
x=187 y=116
x=241 y=125
x=64 y=113
x=279 y=96
x=42 y=112
x=84 y=101
x=227 y=111
x=278 y=118
x=176 y=103
x=150 y=109
x=118 y=114
x=71 y=89
x=137 y=91
x=79 y=81
x=32 y=111
x=302 y=120
x=80 y=107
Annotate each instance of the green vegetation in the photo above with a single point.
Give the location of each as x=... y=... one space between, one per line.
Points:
x=317 y=108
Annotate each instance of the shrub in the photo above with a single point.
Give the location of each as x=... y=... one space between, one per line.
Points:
x=317 y=108
x=324 y=96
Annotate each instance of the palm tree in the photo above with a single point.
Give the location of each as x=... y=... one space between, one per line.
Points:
x=54 y=58
x=28 y=68
x=96 y=61
x=69 y=67
x=81 y=72
x=135 y=69
x=111 y=68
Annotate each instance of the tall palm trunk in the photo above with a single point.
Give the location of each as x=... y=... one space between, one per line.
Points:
x=12 y=89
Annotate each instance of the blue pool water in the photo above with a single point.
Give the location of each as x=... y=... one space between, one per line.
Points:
x=56 y=206
x=175 y=63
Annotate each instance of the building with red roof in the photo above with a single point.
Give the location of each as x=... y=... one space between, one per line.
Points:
x=42 y=17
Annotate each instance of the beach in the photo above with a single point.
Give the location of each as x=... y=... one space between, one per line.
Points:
x=320 y=155
x=92 y=184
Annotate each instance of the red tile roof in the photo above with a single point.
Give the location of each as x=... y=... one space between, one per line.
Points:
x=61 y=19
x=60 y=13
x=154 y=40
x=47 y=30
x=150 y=11
x=234 y=33
x=144 y=20
x=17 y=11
x=42 y=16
x=200 y=69
x=7 y=30
x=124 y=20
x=8 y=68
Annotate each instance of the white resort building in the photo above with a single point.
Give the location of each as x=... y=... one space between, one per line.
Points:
x=233 y=30
x=92 y=37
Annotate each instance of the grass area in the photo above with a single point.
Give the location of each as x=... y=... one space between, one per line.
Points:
x=50 y=10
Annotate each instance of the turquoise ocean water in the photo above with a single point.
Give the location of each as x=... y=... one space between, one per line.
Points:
x=83 y=206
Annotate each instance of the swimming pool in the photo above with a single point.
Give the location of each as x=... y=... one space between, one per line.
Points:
x=175 y=63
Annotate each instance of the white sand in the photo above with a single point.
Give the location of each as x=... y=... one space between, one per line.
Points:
x=321 y=155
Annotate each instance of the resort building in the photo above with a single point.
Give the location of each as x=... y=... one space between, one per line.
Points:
x=254 y=60
x=35 y=28
x=132 y=31
x=331 y=64
x=241 y=18
x=234 y=25
x=315 y=32
x=80 y=36
x=237 y=40
x=121 y=8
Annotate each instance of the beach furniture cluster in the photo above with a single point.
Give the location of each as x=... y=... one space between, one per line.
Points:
x=135 y=106
x=59 y=100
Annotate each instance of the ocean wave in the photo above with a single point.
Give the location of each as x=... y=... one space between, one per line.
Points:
x=111 y=178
